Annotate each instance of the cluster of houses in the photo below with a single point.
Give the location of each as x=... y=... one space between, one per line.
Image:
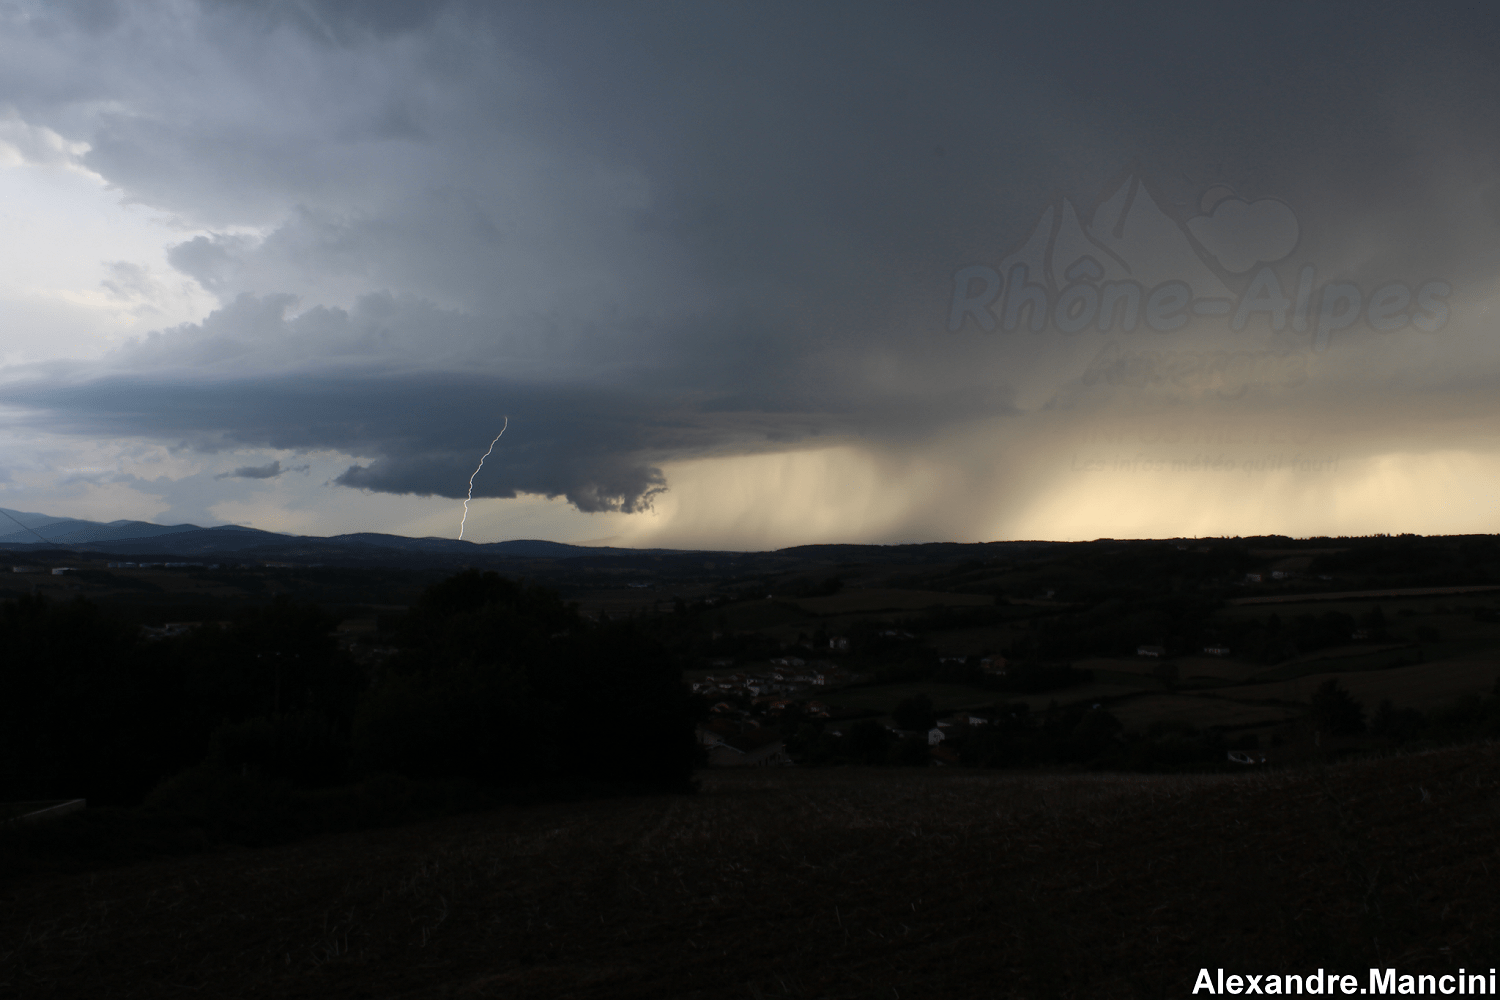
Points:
x=1277 y=574
x=787 y=676
x=152 y=633
x=1157 y=652
x=961 y=724
x=745 y=743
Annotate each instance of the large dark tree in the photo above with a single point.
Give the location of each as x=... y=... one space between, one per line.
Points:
x=79 y=713
x=1334 y=710
x=914 y=713
x=501 y=682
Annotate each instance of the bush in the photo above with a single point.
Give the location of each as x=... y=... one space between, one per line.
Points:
x=914 y=712
x=1036 y=678
x=911 y=751
x=502 y=684
x=242 y=808
x=1334 y=710
x=1393 y=723
x=1094 y=733
x=302 y=747
x=868 y=742
x=959 y=672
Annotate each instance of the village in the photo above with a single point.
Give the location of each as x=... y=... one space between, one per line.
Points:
x=752 y=708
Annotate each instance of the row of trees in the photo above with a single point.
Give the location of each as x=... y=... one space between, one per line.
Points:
x=1336 y=712
x=1186 y=624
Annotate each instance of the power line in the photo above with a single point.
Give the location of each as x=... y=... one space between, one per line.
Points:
x=28 y=528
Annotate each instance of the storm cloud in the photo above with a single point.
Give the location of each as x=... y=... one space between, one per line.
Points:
x=270 y=471
x=667 y=233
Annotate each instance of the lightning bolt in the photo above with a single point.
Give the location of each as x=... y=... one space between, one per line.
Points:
x=476 y=472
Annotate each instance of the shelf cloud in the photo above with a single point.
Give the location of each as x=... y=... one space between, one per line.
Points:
x=668 y=238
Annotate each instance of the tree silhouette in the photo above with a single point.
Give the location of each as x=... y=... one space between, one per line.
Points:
x=1334 y=710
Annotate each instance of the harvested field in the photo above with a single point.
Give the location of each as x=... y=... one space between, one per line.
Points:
x=1090 y=692
x=971 y=641
x=839 y=883
x=1199 y=711
x=1350 y=652
x=1362 y=595
x=1214 y=667
x=1187 y=666
x=1423 y=685
x=875 y=600
x=885 y=697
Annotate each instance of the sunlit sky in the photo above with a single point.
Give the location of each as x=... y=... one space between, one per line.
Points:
x=750 y=275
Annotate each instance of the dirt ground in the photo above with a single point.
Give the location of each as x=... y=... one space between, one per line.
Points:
x=836 y=883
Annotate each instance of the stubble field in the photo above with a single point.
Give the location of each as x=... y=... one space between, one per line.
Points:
x=837 y=883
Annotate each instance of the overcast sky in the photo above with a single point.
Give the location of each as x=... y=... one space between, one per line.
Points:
x=740 y=275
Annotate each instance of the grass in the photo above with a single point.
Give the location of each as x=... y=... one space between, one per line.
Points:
x=1481 y=591
x=884 y=697
x=971 y=641
x=1104 y=671
x=750 y=615
x=830 y=884
x=875 y=600
x=1423 y=685
x=1187 y=666
x=1200 y=711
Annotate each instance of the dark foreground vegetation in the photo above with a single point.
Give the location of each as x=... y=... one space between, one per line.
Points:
x=814 y=883
x=1089 y=737
x=265 y=728
x=473 y=787
x=258 y=725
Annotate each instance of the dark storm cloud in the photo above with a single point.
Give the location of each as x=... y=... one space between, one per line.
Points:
x=425 y=431
x=270 y=471
x=350 y=381
x=659 y=231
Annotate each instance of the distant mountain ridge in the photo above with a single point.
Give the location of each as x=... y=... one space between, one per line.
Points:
x=30 y=528
x=38 y=531
x=140 y=540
